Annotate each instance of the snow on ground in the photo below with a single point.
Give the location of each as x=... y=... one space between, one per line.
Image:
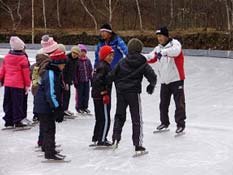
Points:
x=207 y=147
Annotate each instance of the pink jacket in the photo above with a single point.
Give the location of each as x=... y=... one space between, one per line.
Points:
x=14 y=71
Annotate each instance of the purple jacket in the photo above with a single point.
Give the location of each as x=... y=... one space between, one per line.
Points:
x=83 y=70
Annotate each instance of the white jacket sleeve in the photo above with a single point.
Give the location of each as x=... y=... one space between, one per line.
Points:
x=151 y=54
x=172 y=51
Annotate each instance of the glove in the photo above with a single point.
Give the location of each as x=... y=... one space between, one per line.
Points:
x=67 y=87
x=150 y=89
x=106 y=99
x=59 y=114
x=27 y=90
x=159 y=55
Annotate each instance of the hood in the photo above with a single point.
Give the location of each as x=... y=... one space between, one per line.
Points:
x=135 y=60
x=42 y=60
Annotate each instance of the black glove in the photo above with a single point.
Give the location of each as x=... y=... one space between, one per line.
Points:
x=59 y=114
x=150 y=89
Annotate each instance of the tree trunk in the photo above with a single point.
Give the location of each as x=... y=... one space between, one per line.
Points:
x=58 y=14
x=171 y=13
x=228 y=15
x=92 y=16
x=44 y=16
x=139 y=15
x=33 y=26
x=110 y=11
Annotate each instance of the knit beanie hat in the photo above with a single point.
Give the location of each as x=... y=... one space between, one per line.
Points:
x=58 y=57
x=105 y=51
x=16 y=43
x=106 y=28
x=61 y=47
x=48 y=44
x=162 y=31
x=76 y=50
x=135 y=46
x=82 y=47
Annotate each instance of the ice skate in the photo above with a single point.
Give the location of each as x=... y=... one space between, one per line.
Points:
x=140 y=151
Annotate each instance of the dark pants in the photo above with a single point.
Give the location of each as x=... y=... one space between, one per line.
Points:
x=40 y=137
x=177 y=90
x=83 y=91
x=13 y=105
x=66 y=99
x=132 y=100
x=48 y=127
x=102 y=121
x=25 y=105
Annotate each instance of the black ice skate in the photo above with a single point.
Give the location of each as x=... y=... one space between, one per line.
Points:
x=139 y=151
x=179 y=131
x=161 y=128
x=94 y=144
x=103 y=145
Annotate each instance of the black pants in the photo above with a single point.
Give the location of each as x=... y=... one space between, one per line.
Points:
x=102 y=121
x=82 y=93
x=14 y=105
x=48 y=126
x=66 y=99
x=177 y=90
x=132 y=100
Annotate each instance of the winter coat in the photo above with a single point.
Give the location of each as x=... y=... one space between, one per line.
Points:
x=69 y=70
x=42 y=60
x=99 y=80
x=14 y=71
x=119 y=47
x=83 y=71
x=49 y=94
x=171 y=64
x=129 y=72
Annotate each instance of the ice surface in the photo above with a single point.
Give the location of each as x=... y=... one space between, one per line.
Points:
x=207 y=147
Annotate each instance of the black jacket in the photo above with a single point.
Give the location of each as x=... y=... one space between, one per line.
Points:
x=49 y=94
x=129 y=72
x=99 y=80
x=69 y=70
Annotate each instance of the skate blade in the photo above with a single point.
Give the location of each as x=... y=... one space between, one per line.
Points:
x=161 y=131
x=7 y=128
x=60 y=155
x=102 y=147
x=93 y=145
x=55 y=161
x=22 y=128
x=69 y=117
x=179 y=134
x=140 y=153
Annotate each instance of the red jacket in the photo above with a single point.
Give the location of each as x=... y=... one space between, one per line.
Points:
x=14 y=71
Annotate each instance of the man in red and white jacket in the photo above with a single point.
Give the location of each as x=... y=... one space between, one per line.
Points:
x=169 y=60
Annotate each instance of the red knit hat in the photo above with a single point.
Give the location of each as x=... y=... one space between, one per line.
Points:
x=58 y=57
x=105 y=51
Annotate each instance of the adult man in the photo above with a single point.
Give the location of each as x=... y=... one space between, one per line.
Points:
x=108 y=37
x=169 y=57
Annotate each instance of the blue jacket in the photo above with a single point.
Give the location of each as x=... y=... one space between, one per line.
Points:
x=48 y=96
x=119 y=47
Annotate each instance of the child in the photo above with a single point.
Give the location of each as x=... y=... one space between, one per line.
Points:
x=48 y=102
x=82 y=81
x=38 y=69
x=15 y=75
x=128 y=76
x=101 y=94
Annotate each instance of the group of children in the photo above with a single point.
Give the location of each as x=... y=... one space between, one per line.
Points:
x=54 y=72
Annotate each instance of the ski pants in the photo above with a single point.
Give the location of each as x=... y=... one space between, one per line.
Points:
x=48 y=126
x=132 y=100
x=177 y=90
x=66 y=98
x=102 y=121
x=14 y=105
x=82 y=92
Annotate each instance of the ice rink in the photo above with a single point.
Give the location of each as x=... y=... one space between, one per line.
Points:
x=205 y=149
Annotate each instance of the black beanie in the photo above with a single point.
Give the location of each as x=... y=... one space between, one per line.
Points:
x=106 y=27
x=162 y=31
x=135 y=46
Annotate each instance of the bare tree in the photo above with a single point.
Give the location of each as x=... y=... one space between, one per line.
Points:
x=44 y=16
x=10 y=10
x=171 y=12
x=91 y=15
x=58 y=14
x=33 y=26
x=139 y=15
x=228 y=15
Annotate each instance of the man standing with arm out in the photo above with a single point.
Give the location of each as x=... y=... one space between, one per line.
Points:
x=170 y=59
